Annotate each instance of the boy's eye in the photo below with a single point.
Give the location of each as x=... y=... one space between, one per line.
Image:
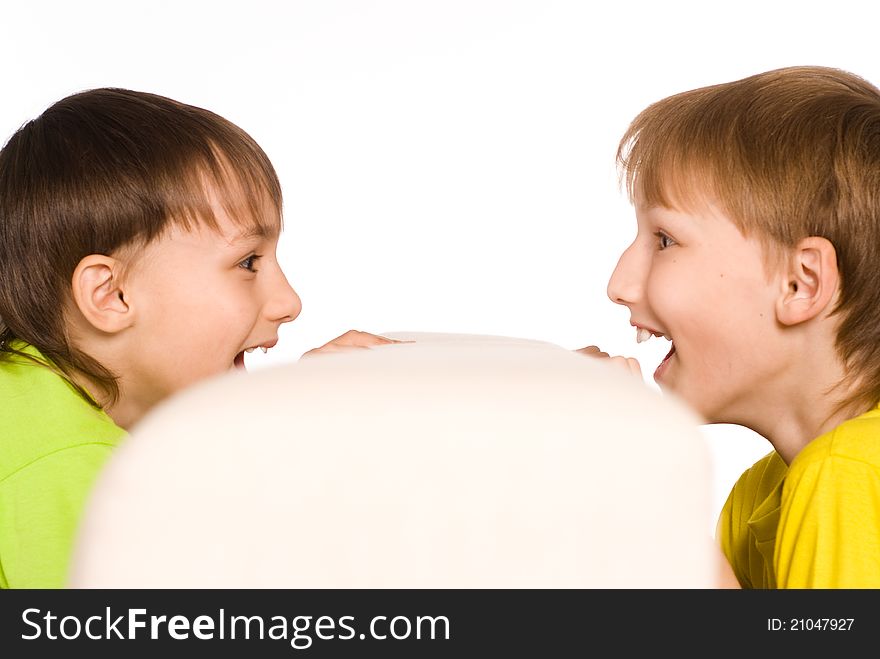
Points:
x=664 y=240
x=250 y=262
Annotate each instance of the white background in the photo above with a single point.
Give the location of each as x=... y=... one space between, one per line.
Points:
x=448 y=166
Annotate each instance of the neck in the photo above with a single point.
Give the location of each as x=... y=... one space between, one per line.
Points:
x=110 y=351
x=124 y=411
x=789 y=433
x=124 y=414
x=802 y=404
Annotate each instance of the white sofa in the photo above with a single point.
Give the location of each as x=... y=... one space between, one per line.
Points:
x=455 y=461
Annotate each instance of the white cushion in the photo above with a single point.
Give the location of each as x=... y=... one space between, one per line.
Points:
x=456 y=461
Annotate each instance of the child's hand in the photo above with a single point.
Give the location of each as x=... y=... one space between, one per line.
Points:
x=629 y=363
x=352 y=340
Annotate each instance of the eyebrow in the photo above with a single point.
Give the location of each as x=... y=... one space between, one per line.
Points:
x=257 y=231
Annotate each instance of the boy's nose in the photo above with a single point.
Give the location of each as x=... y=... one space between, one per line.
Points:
x=625 y=285
x=284 y=305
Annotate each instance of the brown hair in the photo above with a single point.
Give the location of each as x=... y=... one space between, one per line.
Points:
x=786 y=154
x=99 y=171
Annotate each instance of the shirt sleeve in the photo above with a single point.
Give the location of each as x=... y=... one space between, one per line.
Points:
x=829 y=526
x=40 y=507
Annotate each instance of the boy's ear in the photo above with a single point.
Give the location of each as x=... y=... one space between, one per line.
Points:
x=811 y=281
x=98 y=294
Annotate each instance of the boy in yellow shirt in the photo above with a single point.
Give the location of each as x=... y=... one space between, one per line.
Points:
x=757 y=254
x=137 y=241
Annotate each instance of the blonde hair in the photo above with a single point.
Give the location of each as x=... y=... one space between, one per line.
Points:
x=786 y=154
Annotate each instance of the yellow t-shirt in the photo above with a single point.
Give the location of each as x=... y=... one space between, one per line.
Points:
x=815 y=523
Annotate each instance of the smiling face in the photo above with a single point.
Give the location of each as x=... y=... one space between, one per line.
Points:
x=693 y=277
x=201 y=298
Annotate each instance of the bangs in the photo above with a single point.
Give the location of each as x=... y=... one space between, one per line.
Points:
x=240 y=183
x=702 y=149
x=663 y=169
x=668 y=157
x=669 y=180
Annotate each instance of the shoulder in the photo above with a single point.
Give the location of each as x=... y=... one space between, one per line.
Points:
x=42 y=416
x=842 y=464
x=855 y=442
x=831 y=510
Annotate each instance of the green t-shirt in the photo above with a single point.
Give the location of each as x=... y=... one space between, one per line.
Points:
x=52 y=446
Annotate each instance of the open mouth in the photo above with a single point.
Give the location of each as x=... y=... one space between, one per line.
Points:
x=643 y=334
x=238 y=362
x=661 y=368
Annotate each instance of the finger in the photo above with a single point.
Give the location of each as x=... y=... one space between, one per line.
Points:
x=631 y=364
x=386 y=339
x=358 y=338
x=634 y=367
x=592 y=351
x=332 y=348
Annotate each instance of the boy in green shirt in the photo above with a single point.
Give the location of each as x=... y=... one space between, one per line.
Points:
x=138 y=238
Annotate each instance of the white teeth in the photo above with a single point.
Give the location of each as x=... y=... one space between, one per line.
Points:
x=642 y=334
x=264 y=349
x=249 y=350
